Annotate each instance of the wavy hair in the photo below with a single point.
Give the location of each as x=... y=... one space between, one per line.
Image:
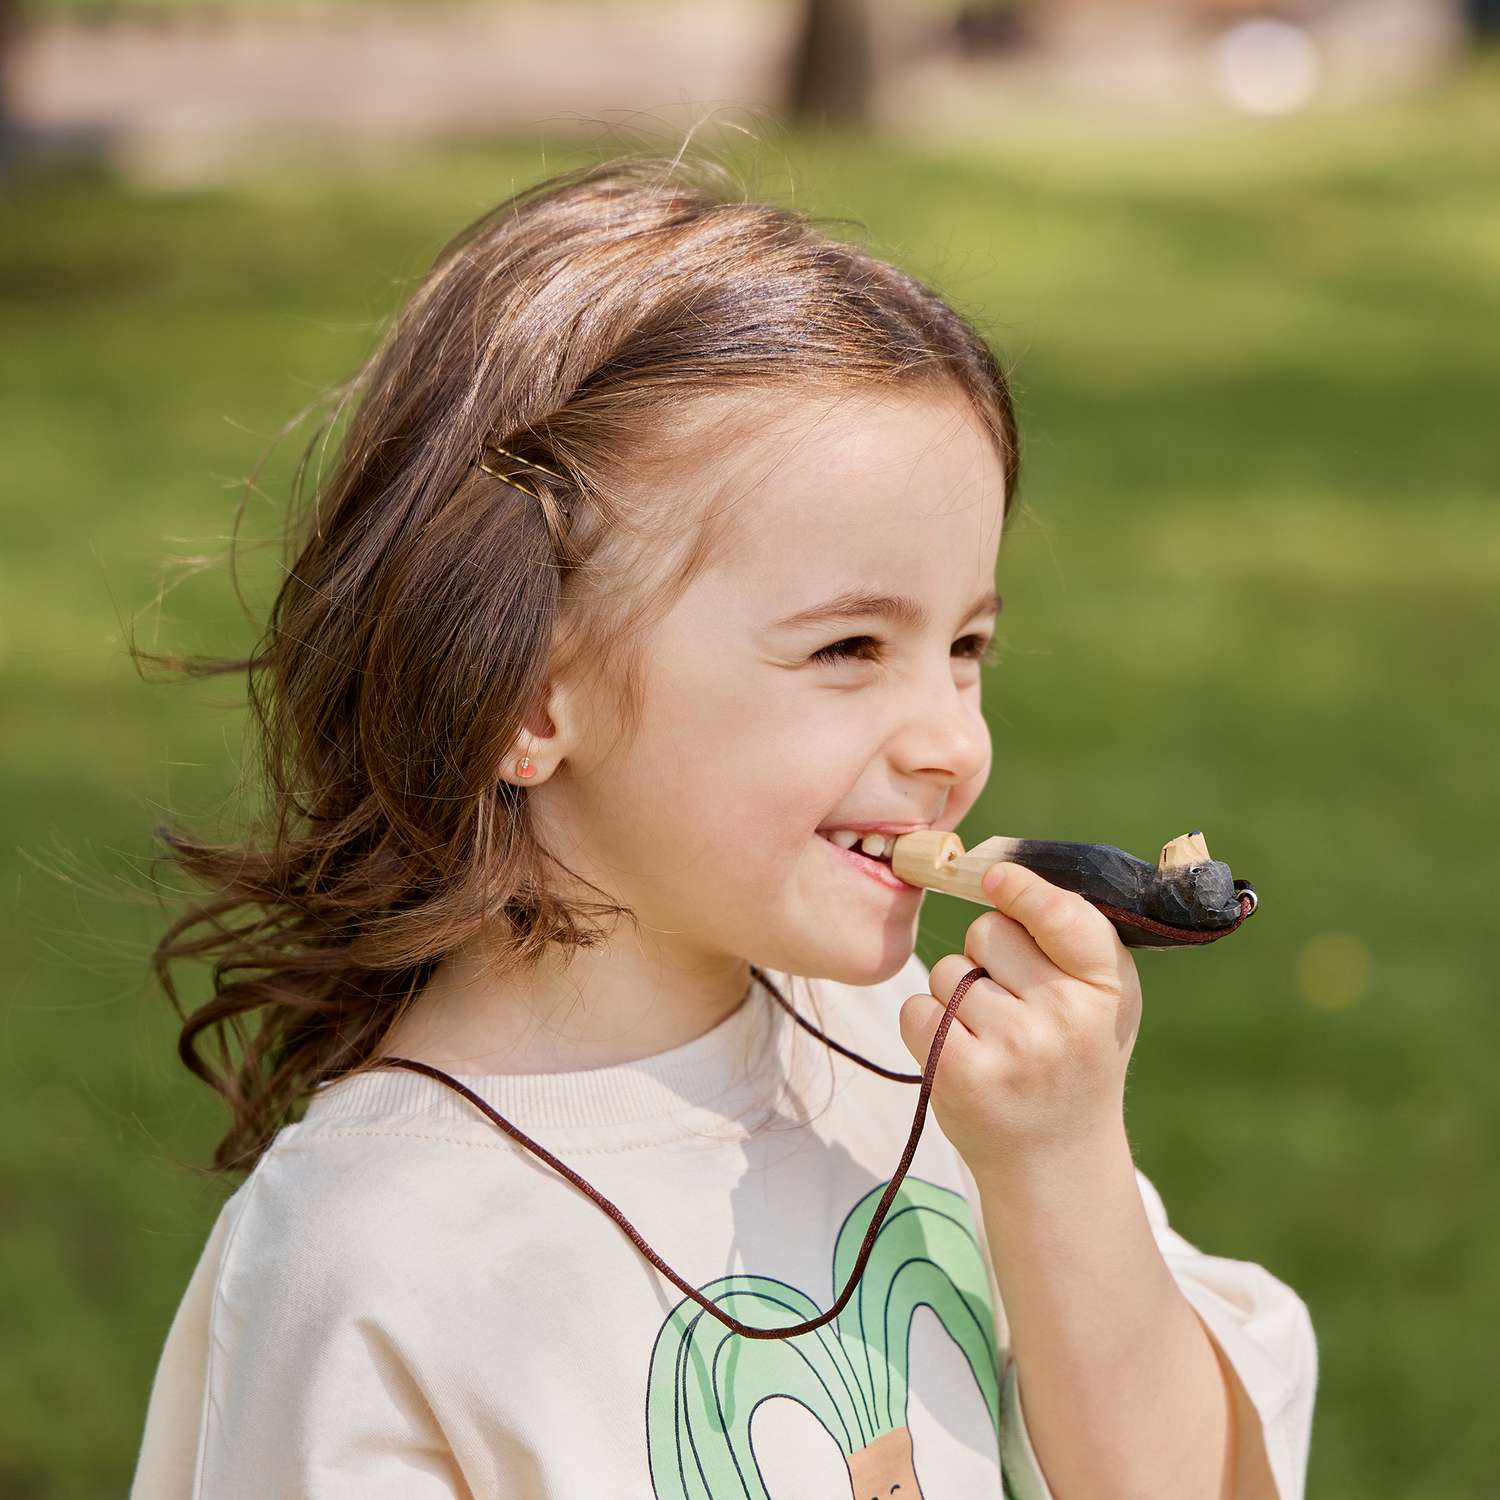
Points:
x=607 y=322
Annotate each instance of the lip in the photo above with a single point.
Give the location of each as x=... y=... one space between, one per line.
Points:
x=873 y=869
x=892 y=828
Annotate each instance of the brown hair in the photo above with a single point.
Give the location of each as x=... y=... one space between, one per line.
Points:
x=599 y=322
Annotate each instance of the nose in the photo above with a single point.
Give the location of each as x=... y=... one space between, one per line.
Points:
x=942 y=735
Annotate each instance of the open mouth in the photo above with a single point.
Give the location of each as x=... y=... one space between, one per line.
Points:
x=872 y=845
x=869 y=852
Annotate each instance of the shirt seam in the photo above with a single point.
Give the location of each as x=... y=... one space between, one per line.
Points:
x=515 y=1147
x=231 y=1241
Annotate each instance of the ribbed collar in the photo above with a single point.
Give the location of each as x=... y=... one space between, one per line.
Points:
x=719 y=1075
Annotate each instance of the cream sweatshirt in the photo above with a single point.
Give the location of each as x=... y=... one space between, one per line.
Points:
x=402 y=1303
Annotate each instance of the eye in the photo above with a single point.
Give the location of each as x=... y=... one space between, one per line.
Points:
x=851 y=648
x=866 y=648
x=980 y=648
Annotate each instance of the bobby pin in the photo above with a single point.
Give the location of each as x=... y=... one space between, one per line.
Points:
x=528 y=462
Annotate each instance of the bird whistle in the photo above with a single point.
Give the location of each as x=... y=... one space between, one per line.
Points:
x=1185 y=898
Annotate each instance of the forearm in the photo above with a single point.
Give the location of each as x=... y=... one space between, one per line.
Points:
x=1122 y=1389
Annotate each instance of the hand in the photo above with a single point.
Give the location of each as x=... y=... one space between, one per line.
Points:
x=1034 y=1059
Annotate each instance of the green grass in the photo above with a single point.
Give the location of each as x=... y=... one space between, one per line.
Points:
x=208 y=12
x=1252 y=589
x=96 y=12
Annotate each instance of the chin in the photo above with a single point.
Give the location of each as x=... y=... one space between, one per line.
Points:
x=881 y=955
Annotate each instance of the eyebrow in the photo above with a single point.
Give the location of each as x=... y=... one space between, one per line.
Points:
x=899 y=608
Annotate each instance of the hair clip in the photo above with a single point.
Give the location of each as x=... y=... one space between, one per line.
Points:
x=528 y=462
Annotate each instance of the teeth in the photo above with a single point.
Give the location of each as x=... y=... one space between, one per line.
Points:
x=876 y=845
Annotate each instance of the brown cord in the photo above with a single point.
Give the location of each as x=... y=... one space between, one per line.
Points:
x=1179 y=935
x=733 y=1324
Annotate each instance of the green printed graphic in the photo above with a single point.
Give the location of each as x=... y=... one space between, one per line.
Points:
x=851 y=1374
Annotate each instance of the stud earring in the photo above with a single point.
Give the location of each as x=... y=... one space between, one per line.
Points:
x=525 y=769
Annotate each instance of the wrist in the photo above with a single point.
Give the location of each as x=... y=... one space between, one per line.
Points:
x=1073 y=1167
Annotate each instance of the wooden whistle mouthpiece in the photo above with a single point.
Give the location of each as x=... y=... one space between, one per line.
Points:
x=1185 y=897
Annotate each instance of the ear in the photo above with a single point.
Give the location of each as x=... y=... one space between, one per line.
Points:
x=547 y=737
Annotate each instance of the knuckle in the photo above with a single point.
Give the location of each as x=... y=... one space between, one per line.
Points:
x=1038 y=1037
x=1067 y=911
x=1072 y=1024
x=946 y=973
x=1042 y=908
x=983 y=934
x=1047 y=1050
x=964 y=1070
x=912 y=1007
x=1023 y=1041
x=986 y=922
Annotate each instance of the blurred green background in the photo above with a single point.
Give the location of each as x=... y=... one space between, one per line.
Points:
x=1253 y=588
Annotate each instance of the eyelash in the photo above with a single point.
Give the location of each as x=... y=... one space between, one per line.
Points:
x=867 y=648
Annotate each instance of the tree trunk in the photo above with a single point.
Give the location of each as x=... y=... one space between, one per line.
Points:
x=10 y=30
x=833 y=66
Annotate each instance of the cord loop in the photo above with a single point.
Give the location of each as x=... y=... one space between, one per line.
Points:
x=919 y=1119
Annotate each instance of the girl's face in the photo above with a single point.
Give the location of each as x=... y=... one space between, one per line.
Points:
x=818 y=678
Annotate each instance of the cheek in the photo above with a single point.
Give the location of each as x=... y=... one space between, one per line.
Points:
x=772 y=784
x=706 y=774
x=733 y=765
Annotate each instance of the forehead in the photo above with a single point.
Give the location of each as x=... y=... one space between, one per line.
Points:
x=857 y=489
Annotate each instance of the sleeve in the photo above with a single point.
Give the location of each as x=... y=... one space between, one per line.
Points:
x=1264 y=1337
x=334 y=1414
x=319 y=1382
x=169 y=1442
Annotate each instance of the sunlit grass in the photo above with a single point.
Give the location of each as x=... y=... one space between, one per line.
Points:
x=1252 y=589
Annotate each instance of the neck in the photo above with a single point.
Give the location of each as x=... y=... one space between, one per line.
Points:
x=628 y=998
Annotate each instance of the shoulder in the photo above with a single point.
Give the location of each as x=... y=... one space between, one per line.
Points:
x=340 y=1213
x=336 y=1291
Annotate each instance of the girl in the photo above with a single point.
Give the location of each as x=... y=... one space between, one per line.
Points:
x=644 y=606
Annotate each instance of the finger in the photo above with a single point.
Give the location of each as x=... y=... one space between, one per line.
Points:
x=1074 y=934
x=919 y=1019
x=986 y=1004
x=1008 y=953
